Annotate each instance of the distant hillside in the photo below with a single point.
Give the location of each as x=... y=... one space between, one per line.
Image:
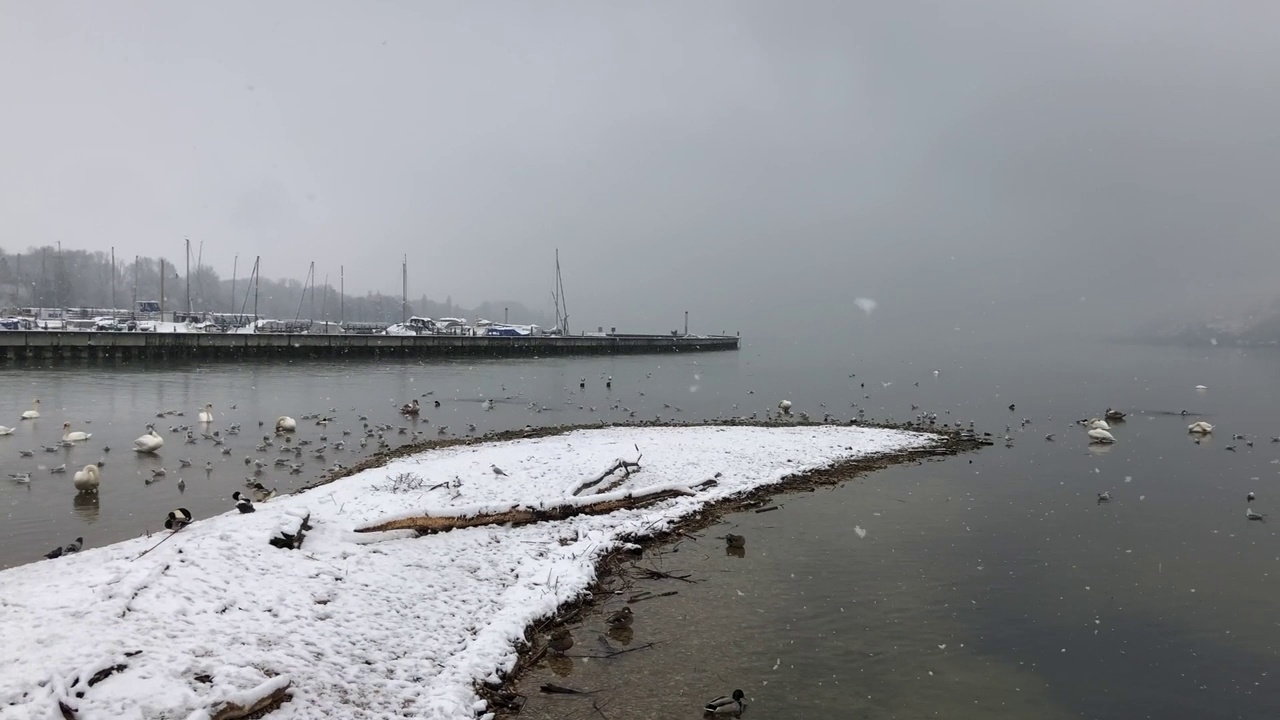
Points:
x=42 y=277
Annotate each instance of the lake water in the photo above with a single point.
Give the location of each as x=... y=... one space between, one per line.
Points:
x=1158 y=604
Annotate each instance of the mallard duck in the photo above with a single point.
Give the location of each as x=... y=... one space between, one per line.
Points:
x=621 y=619
x=86 y=480
x=243 y=503
x=1200 y=428
x=726 y=704
x=69 y=436
x=410 y=408
x=206 y=415
x=34 y=412
x=561 y=640
x=177 y=519
x=1098 y=435
x=1113 y=414
x=735 y=541
x=284 y=423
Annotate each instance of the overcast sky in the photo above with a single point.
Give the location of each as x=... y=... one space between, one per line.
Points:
x=959 y=162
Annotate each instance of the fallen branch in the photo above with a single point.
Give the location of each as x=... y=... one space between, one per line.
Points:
x=427 y=524
x=292 y=533
x=558 y=690
x=261 y=697
x=669 y=593
x=625 y=466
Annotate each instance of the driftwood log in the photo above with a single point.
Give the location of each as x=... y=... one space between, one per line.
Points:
x=235 y=711
x=427 y=524
x=625 y=466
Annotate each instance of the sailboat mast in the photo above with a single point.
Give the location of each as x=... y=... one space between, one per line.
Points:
x=234 y=266
x=113 y=280
x=342 y=294
x=256 y=260
x=188 y=241
x=404 y=290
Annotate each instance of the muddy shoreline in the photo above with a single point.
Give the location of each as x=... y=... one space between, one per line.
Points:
x=505 y=699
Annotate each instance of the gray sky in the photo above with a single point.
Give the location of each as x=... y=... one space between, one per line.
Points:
x=979 y=163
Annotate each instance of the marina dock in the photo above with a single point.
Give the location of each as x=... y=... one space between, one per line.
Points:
x=20 y=346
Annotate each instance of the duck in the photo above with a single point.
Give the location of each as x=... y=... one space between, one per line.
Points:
x=410 y=408
x=34 y=412
x=735 y=541
x=284 y=423
x=621 y=619
x=1113 y=414
x=785 y=407
x=1098 y=435
x=1200 y=428
x=206 y=415
x=561 y=640
x=149 y=443
x=73 y=436
x=243 y=503
x=177 y=519
x=726 y=704
x=6 y=430
x=59 y=551
x=86 y=480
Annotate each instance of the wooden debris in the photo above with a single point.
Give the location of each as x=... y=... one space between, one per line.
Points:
x=625 y=466
x=767 y=509
x=558 y=690
x=427 y=524
x=266 y=698
x=669 y=593
x=291 y=535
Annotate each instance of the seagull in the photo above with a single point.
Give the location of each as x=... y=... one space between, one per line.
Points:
x=30 y=453
x=1049 y=437
x=58 y=470
x=20 y=477
x=498 y=471
x=1250 y=497
x=1249 y=513
x=184 y=462
x=1104 y=497
x=182 y=485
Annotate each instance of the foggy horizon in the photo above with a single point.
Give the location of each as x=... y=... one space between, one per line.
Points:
x=1068 y=169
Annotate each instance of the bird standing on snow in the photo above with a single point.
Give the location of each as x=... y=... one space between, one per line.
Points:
x=243 y=503
x=498 y=471
x=727 y=704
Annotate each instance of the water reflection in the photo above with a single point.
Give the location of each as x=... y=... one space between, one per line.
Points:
x=738 y=552
x=561 y=665
x=86 y=506
x=622 y=635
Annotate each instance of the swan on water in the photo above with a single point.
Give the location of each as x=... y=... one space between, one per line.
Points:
x=284 y=423
x=1200 y=428
x=34 y=412
x=148 y=443
x=86 y=480
x=1096 y=424
x=1098 y=435
x=76 y=436
x=6 y=430
x=206 y=415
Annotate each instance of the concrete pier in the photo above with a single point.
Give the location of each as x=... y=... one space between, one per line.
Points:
x=20 y=346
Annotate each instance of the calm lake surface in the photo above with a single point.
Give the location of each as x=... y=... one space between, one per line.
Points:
x=987 y=585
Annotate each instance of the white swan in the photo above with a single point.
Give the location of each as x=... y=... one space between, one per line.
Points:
x=206 y=415
x=1096 y=424
x=34 y=412
x=1098 y=435
x=69 y=436
x=1200 y=428
x=6 y=430
x=87 y=479
x=284 y=423
x=148 y=443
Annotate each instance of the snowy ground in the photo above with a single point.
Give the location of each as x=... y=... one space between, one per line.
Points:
x=362 y=625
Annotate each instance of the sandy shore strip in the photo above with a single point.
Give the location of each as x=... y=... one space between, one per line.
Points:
x=364 y=625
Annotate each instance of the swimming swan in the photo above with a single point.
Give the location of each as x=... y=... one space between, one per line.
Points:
x=1098 y=435
x=1200 y=428
x=69 y=436
x=34 y=412
x=206 y=415
x=148 y=443
x=6 y=430
x=87 y=479
x=284 y=423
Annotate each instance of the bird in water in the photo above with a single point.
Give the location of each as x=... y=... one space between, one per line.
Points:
x=726 y=704
x=1250 y=497
x=1249 y=513
x=785 y=407
x=86 y=480
x=621 y=619
x=58 y=470
x=1049 y=437
x=1097 y=435
x=20 y=477
x=243 y=503
x=182 y=485
x=184 y=462
x=1104 y=497
x=561 y=640
x=735 y=541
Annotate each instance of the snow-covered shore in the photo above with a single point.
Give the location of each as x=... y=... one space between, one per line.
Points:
x=365 y=625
